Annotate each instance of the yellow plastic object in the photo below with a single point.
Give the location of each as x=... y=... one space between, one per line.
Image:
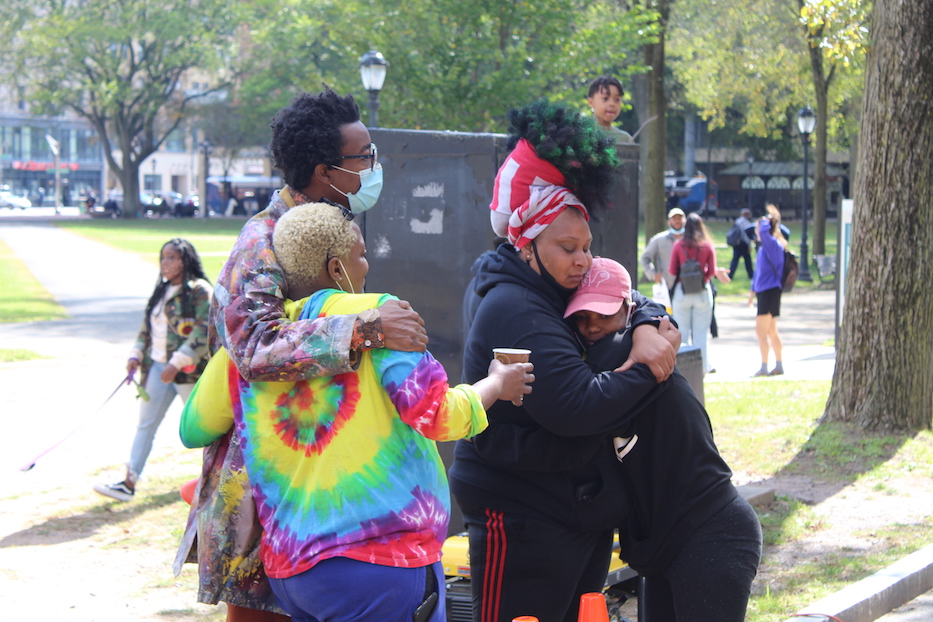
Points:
x=456 y=558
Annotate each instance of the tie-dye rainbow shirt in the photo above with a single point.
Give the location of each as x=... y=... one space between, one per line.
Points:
x=343 y=466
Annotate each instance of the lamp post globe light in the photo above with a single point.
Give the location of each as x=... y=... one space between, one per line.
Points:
x=373 y=67
x=806 y=123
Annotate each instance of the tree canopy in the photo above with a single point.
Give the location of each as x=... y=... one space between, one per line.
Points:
x=766 y=59
x=455 y=65
x=120 y=64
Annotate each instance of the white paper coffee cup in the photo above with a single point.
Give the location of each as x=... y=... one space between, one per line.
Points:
x=511 y=355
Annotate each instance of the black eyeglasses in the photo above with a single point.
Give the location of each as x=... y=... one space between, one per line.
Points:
x=372 y=156
x=347 y=214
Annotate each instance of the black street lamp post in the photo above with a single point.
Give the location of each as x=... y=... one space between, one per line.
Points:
x=206 y=148
x=806 y=123
x=748 y=181
x=373 y=67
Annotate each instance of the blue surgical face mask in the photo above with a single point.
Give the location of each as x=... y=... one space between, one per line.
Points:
x=370 y=189
x=678 y=231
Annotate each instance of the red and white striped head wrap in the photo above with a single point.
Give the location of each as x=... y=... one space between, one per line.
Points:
x=531 y=192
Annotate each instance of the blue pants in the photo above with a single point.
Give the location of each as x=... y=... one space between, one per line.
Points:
x=741 y=251
x=151 y=414
x=341 y=590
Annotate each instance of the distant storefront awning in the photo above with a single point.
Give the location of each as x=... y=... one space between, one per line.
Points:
x=773 y=169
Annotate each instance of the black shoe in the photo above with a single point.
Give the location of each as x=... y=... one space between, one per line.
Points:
x=119 y=491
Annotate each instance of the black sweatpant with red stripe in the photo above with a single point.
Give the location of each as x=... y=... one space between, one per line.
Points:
x=523 y=566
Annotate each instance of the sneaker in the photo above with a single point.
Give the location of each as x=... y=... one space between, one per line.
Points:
x=119 y=491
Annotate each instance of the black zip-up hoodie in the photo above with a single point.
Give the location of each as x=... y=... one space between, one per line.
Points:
x=674 y=477
x=579 y=484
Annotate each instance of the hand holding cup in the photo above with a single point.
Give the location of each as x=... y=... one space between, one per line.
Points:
x=511 y=366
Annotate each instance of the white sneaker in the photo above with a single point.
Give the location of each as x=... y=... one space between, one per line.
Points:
x=119 y=491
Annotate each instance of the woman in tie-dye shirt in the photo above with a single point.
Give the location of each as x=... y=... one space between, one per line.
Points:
x=348 y=484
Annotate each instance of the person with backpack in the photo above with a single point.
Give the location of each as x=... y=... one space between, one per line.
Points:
x=767 y=286
x=738 y=239
x=693 y=263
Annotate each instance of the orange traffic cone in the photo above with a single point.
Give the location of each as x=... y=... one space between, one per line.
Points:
x=593 y=608
x=187 y=490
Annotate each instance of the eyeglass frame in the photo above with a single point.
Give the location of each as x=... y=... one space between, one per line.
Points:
x=348 y=215
x=373 y=156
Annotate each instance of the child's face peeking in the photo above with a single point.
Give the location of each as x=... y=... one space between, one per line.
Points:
x=594 y=326
x=606 y=104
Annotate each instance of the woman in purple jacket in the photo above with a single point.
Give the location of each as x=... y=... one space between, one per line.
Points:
x=766 y=283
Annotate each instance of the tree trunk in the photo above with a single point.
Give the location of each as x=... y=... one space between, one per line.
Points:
x=640 y=102
x=821 y=86
x=655 y=216
x=884 y=367
x=130 y=180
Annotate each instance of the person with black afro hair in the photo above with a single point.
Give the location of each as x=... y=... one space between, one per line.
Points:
x=540 y=532
x=326 y=155
x=572 y=143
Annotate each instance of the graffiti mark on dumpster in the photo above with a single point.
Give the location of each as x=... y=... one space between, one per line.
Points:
x=432 y=190
x=381 y=247
x=434 y=225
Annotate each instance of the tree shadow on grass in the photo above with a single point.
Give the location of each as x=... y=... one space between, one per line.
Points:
x=79 y=526
x=834 y=457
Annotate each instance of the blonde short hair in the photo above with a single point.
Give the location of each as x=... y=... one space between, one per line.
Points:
x=307 y=236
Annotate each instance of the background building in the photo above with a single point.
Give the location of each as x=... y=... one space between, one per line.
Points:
x=27 y=162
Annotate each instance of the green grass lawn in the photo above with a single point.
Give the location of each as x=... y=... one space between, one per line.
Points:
x=764 y=430
x=8 y=355
x=212 y=238
x=22 y=297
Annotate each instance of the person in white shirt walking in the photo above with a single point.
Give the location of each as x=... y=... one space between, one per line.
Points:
x=171 y=351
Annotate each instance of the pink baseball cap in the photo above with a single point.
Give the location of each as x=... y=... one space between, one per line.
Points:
x=604 y=288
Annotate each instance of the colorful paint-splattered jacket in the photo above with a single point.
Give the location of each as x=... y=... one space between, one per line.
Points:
x=187 y=332
x=248 y=317
x=342 y=466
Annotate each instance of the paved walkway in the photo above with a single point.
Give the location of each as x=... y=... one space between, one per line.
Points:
x=105 y=290
x=807 y=330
